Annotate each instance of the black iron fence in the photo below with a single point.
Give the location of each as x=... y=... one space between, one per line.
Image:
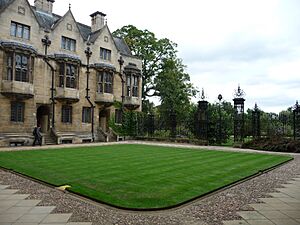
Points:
x=212 y=126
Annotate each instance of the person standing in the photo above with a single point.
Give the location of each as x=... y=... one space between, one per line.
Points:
x=37 y=135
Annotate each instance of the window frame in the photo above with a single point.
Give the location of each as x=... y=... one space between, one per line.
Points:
x=66 y=114
x=118 y=116
x=68 y=44
x=132 y=85
x=105 y=54
x=19 y=30
x=86 y=115
x=19 y=70
x=68 y=75
x=135 y=86
x=105 y=82
x=128 y=85
x=17 y=113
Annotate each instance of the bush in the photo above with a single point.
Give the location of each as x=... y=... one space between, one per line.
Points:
x=274 y=144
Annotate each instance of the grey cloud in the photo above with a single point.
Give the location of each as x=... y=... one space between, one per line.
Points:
x=240 y=51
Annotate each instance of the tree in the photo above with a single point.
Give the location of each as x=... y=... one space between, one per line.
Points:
x=225 y=112
x=151 y=50
x=174 y=87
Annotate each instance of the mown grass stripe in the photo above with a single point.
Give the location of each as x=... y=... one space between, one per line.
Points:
x=138 y=176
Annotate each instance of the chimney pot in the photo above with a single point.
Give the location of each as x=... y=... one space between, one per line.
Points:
x=98 y=21
x=44 y=5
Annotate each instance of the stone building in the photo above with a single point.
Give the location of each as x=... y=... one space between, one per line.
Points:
x=48 y=78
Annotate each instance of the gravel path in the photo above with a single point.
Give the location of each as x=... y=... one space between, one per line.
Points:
x=210 y=210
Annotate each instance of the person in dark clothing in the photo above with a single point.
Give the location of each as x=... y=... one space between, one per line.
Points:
x=37 y=135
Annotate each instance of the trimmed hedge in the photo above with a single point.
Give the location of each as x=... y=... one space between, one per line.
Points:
x=176 y=140
x=275 y=144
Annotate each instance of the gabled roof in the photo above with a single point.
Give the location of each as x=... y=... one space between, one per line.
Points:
x=50 y=21
x=62 y=18
x=119 y=42
x=4 y=4
x=46 y=20
x=84 y=30
x=122 y=46
x=93 y=36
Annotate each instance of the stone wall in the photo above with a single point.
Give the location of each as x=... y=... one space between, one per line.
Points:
x=21 y=12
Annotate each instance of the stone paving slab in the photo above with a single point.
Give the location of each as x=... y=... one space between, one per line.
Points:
x=8 y=191
x=289 y=200
x=76 y=223
x=260 y=222
x=57 y=218
x=282 y=209
x=251 y=215
x=3 y=186
x=32 y=218
x=28 y=202
x=15 y=209
x=17 y=197
x=41 y=210
x=294 y=214
x=274 y=214
x=285 y=222
x=235 y=222
x=18 y=209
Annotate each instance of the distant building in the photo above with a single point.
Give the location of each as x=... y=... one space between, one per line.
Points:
x=52 y=90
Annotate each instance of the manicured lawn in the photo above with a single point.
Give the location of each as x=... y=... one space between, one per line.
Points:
x=138 y=176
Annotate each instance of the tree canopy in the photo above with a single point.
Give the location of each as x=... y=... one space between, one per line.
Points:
x=174 y=86
x=157 y=56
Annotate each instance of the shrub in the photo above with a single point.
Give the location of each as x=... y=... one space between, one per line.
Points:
x=274 y=144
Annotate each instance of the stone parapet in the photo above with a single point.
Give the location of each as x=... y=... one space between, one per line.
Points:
x=68 y=94
x=17 y=88
x=104 y=98
x=132 y=102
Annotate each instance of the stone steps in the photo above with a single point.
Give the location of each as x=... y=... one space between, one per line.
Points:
x=49 y=140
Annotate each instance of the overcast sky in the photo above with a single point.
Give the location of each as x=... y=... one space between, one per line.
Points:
x=254 y=43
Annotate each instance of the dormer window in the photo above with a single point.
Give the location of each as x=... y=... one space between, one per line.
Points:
x=68 y=44
x=105 y=54
x=19 y=30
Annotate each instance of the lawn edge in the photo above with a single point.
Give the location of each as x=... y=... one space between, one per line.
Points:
x=189 y=201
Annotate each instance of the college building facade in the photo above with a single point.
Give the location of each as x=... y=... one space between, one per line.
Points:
x=65 y=76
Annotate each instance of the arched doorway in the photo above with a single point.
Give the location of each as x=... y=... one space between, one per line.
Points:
x=42 y=118
x=103 y=119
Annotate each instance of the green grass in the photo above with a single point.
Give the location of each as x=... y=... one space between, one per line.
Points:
x=138 y=176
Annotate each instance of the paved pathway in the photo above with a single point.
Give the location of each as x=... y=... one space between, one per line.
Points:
x=16 y=210
x=282 y=209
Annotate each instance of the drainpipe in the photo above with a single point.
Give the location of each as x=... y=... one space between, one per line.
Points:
x=47 y=42
x=88 y=54
x=121 y=62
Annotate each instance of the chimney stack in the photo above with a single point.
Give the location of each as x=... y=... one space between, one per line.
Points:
x=44 y=5
x=98 y=20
